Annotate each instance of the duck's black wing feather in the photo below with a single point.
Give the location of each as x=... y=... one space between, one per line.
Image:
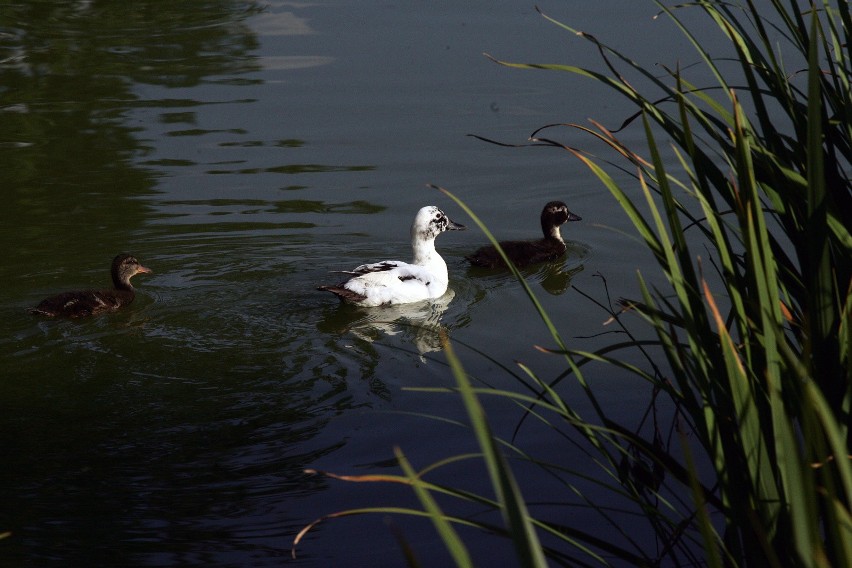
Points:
x=344 y=294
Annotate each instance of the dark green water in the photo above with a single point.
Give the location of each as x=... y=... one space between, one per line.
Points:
x=244 y=151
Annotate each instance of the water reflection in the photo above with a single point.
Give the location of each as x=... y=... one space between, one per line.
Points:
x=418 y=324
x=252 y=214
x=556 y=280
x=175 y=433
x=67 y=77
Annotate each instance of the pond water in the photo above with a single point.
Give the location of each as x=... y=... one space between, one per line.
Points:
x=245 y=151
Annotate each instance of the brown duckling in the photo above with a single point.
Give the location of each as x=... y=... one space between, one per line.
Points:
x=526 y=253
x=82 y=303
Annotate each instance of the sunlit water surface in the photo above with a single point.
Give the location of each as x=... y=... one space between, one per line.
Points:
x=244 y=152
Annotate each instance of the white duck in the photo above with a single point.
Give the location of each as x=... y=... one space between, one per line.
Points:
x=396 y=282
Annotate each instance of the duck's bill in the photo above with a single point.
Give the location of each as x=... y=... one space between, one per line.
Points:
x=453 y=226
x=574 y=217
x=144 y=269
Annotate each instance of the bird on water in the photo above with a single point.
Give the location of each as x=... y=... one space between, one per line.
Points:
x=526 y=253
x=80 y=303
x=395 y=282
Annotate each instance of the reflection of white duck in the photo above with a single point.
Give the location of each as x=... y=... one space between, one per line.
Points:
x=396 y=282
x=419 y=323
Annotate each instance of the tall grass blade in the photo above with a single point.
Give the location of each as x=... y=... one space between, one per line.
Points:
x=514 y=510
x=450 y=537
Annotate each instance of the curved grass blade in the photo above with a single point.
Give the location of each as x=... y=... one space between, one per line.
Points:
x=527 y=545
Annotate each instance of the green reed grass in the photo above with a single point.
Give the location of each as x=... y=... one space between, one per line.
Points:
x=748 y=215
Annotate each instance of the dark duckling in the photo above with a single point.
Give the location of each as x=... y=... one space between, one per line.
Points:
x=526 y=253
x=82 y=303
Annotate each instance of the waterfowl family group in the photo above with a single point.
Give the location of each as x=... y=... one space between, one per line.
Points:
x=384 y=283
x=425 y=278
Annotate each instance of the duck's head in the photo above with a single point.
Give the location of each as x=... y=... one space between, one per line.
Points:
x=431 y=222
x=554 y=215
x=125 y=267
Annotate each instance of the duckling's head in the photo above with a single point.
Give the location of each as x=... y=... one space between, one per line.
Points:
x=554 y=215
x=125 y=267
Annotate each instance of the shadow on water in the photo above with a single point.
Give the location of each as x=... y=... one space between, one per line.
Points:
x=125 y=444
x=168 y=433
